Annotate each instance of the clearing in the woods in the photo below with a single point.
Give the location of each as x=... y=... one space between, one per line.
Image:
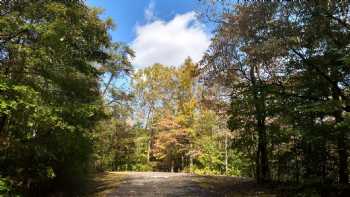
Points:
x=151 y=184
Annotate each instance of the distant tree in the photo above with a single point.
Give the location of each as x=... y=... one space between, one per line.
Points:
x=183 y=127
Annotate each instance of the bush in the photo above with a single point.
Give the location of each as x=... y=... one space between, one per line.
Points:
x=6 y=188
x=143 y=167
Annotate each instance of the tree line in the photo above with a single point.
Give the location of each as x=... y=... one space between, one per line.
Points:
x=170 y=122
x=286 y=67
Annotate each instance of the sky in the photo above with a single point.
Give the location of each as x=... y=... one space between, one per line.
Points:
x=159 y=31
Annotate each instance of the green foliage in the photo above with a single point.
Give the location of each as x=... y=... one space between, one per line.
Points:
x=209 y=156
x=238 y=164
x=50 y=100
x=5 y=187
x=183 y=132
x=285 y=68
x=276 y=75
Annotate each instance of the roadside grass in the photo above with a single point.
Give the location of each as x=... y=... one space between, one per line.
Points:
x=241 y=187
x=233 y=186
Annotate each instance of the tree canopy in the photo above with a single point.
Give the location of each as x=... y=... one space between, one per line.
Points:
x=52 y=58
x=286 y=66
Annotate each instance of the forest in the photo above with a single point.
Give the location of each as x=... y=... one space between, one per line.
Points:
x=270 y=98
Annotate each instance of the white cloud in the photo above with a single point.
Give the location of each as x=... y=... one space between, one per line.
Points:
x=149 y=12
x=171 y=42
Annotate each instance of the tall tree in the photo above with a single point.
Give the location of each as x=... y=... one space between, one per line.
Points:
x=238 y=56
x=287 y=66
x=50 y=99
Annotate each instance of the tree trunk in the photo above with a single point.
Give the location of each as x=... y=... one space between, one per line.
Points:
x=343 y=159
x=172 y=165
x=342 y=153
x=262 y=161
x=148 y=150
x=341 y=143
x=149 y=144
x=262 y=167
x=279 y=163
x=226 y=154
x=182 y=162
x=191 y=159
x=297 y=168
x=2 y=123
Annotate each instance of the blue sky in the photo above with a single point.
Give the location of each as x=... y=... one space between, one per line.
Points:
x=159 y=31
x=128 y=13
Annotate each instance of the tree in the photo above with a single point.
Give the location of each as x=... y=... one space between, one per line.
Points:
x=181 y=120
x=50 y=99
x=245 y=66
x=172 y=144
x=153 y=88
x=325 y=62
x=288 y=81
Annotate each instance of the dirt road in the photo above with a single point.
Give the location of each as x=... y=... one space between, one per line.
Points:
x=154 y=184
